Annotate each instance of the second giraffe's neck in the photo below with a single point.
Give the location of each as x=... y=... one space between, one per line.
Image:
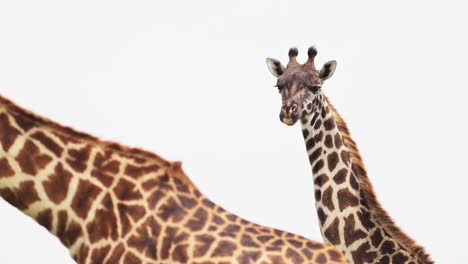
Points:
x=350 y=216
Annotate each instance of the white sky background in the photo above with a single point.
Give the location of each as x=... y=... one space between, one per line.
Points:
x=188 y=80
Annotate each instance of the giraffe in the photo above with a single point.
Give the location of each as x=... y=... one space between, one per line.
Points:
x=109 y=203
x=350 y=216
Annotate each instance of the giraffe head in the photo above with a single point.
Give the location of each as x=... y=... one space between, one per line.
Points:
x=299 y=84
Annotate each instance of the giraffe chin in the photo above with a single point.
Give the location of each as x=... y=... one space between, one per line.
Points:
x=288 y=121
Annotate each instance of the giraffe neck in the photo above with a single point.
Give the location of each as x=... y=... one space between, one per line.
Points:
x=74 y=187
x=350 y=216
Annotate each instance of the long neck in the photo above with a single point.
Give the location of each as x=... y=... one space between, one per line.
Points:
x=350 y=216
x=73 y=188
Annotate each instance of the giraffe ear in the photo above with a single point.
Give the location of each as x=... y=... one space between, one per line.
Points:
x=275 y=67
x=327 y=70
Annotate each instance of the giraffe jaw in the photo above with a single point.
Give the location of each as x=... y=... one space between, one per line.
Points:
x=288 y=121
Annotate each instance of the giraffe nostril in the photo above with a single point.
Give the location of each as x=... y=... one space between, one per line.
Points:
x=293 y=108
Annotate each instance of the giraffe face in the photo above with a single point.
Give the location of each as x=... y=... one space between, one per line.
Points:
x=299 y=85
x=297 y=93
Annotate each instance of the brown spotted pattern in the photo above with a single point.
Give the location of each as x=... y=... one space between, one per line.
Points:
x=347 y=218
x=112 y=204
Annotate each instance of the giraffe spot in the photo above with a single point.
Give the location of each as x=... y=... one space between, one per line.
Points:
x=332 y=160
x=187 y=202
x=310 y=143
x=318 y=166
x=127 y=191
x=329 y=124
x=353 y=182
x=56 y=185
x=224 y=248
x=305 y=133
x=22 y=196
x=376 y=238
x=218 y=220
x=365 y=218
x=248 y=257
x=346 y=199
x=307 y=253
x=264 y=239
x=295 y=243
x=172 y=211
x=318 y=137
x=321 y=215
x=5 y=168
x=130 y=258
x=231 y=217
x=230 y=231
x=323 y=112
x=145 y=238
x=129 y=214
x=340 y=176
x=345 y=157
x=180 y=254
x=8 y=133
x=363 y=254
x=399 y=258
x=276 y=259
x=30 y=159
x=44 y=218
x=388 y=247
x=247 y=241
x=317 y=124
x=327 y=198
x=208 y=203
x=338 y=141
x=85 y=195
x=77 y=158
x=48 y=143
x=334 y=255
x=104 y=225
x=318 y=195
x=23 y=122
x=116 y=254
x=350 y=233
x=294 y=256
x=328 y=141
x=321 y=259
x=202 y=244
x=198 y=220
x=138 y=171
x=321 y=179
x=314 y=245
x=332 y=232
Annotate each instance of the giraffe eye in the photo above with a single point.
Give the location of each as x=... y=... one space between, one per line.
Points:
x=314 y=88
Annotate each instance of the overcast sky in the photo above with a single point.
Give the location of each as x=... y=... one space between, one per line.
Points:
x=188 y=80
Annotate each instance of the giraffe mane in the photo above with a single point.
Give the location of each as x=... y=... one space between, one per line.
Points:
x=368 y=193
x=137 y=154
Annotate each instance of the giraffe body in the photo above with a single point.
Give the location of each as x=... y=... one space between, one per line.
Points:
x=350 y=216
x=111 y=204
